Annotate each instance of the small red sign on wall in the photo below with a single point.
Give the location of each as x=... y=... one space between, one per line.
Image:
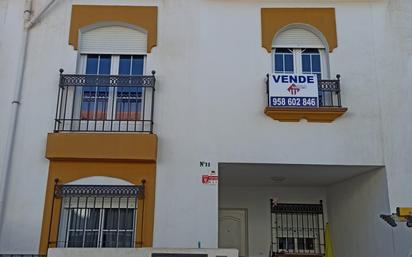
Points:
x=211 y=179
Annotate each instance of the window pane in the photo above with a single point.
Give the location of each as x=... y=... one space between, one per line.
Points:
x=109 y=239
x=279 y=63
x=93 y=216
x=137 y=65
x=282 y=50
x=125 y=239
x=75 y=239
x=282 y=243
x=306 y=63
x=124 y=65
x=291 y=243
x=91 y=64
x=126 y=219
x=110 y=219
x=301 y=244
x=309 y=244
x=310 y=51
x=90 y=239
x=105 y=64
x=315 y=63
x=77 y=219
x=289 y=63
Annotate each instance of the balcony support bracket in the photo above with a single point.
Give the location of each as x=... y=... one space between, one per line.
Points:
x=322 y=115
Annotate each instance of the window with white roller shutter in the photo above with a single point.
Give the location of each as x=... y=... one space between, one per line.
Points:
x=298 y=50
x=111 y=50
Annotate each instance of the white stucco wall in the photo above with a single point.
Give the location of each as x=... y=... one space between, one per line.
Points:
x=209 y=105
x=354 y=206
x=395 y=97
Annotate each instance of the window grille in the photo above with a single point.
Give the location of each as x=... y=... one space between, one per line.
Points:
x=94 y=216
x=297 y=229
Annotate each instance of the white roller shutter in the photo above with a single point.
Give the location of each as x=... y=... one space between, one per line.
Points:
x=113 y=40
x=297 y=38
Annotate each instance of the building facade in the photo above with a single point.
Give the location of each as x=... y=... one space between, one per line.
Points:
x=147 y=123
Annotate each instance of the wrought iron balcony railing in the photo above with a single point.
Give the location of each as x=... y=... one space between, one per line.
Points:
x=105 y=103
x=329 y=92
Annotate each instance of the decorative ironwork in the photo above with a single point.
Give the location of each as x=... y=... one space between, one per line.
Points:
x=78 y=80
x=99 y=190
x=297 y=208
x=105 y=103
x=329 y=85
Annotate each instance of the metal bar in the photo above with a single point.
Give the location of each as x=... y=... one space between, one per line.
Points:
x=51 y=221
x=118 y=222
x=77 y=219
x=152 y=104
x=94 y=225
x=128 y=112
x=65 y=91
x=101 y=224
x=141 y=236
x=323 y=226
x=143 y=107
x=293 y=234
x=303 y=233
x=137 y=109
x=278 y=230
x=73 y=104
x=85 y=223
x=271 y=224
x=58 y=223
x=114 y=108
x=126 y=219
x=135 y=213
x=67 y=222
x=57 y=120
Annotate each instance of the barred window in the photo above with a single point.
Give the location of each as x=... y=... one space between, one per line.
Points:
x=98 y=216
x=297 y=229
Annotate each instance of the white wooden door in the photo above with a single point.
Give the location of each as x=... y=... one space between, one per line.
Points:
x=233 y=230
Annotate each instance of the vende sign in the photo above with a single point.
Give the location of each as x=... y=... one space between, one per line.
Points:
x=293 y=90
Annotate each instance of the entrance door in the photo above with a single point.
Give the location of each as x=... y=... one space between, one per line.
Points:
x=233 y=230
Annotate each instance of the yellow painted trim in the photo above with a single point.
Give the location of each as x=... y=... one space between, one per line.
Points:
x=328 y=242
x=323 y=114
x=102 y=146
x=404 y=211
x=141 y=16
x=67 y=171
x=274 y=19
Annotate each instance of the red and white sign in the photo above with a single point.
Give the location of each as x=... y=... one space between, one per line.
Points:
x=211 y=179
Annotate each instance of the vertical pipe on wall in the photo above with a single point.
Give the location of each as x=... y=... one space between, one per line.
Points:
x=14 y=112
x=29 y=22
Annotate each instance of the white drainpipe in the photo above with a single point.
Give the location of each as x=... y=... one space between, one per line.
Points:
x=29 y=22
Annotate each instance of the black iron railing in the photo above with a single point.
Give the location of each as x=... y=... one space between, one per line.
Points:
x=297 y=229
x=105 y=103
x=329 y=92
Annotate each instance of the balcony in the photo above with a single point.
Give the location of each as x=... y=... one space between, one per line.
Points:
x=329 y=109
x=105 y=103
